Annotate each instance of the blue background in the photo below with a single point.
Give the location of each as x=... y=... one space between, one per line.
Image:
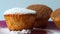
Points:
x=6 y=4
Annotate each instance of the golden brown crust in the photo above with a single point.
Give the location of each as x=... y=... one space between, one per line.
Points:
x=56 y=14
x=19 y=22
x=43 y=14
x=42 y=10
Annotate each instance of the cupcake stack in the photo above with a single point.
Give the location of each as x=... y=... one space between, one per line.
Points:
x=25 y=20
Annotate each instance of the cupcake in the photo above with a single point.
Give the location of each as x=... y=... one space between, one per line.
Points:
x=55 y=16
x=19 y=18
x=43 y=14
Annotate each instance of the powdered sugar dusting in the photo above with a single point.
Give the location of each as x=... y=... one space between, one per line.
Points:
x=19 y=11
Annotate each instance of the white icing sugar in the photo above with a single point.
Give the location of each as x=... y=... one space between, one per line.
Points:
x=24 y=31
x=7 y=31
x=19 y=11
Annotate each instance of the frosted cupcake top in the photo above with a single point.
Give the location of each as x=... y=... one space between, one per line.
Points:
x=19 y=11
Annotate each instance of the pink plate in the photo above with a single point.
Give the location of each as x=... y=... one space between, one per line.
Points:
x=50 y=29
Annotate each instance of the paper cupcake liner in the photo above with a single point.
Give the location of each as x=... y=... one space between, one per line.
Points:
x=19 y=22
x=41 y=23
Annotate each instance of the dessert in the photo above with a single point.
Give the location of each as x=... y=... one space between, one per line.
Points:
x=43 y=14
x=55 y=16
x=19 y=18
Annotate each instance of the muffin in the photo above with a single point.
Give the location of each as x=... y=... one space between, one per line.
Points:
x=43 y=14
x=55 y=16
x=19 y=18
